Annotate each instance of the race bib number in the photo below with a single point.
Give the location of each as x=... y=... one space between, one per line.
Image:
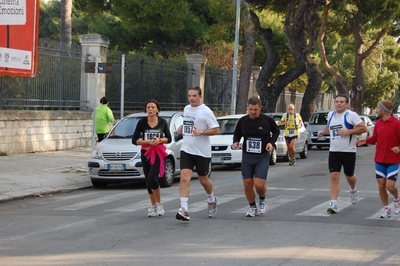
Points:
x=335 y=132
x=253 y=145
x=290 y=132
x=187 y=129
x=151 y=134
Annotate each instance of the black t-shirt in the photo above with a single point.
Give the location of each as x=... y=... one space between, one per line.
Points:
x=161 y=130
x=256 y=133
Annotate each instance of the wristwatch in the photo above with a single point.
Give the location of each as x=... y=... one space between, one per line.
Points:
x=201 y=132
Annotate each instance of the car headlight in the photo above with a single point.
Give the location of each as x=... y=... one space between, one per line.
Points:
x=138 y=155
x=96 y=154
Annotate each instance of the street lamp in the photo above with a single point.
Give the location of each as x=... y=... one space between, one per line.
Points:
x=235 y=58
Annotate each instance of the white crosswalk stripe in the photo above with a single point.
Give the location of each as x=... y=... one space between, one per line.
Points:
x=95 y=202
x=273 y=202
x=143 y=204
x=377 y=215
x=200 y=206
x=320 y=210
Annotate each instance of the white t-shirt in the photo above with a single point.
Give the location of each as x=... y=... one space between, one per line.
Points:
x=335 y=123
x=202 y=118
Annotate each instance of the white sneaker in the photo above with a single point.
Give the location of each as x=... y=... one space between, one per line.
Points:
x=263 y=207
x=332 y=207
x=252 y=212
x=152 y=212
x=397 y=206
x=353 y=196
x=386 y=212
x=159 y=209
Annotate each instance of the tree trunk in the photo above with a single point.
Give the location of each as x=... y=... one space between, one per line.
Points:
x=269 y=91
x=66 y=25
x=313 y=88
x=247 y=62
x=359 y=79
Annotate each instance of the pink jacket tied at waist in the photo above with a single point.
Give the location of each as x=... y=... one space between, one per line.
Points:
x=153 y=151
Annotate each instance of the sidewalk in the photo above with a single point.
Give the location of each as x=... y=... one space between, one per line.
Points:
x=33 y=174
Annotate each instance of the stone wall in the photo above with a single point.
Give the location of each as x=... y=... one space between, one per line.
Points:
x=31 y=131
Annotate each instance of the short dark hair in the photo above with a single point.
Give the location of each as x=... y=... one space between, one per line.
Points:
x=196 y=88
x=344 y=96
x=254 y=101
x=152 y=101
x=104 y=100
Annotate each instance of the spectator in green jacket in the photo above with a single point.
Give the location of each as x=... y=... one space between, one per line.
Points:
x=104 y=117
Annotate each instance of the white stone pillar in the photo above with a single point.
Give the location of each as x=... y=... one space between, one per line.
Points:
x=93 y=45
x=196 y=64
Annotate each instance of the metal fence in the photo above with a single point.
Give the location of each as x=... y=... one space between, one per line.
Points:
x=56 y=86
x=165 y=81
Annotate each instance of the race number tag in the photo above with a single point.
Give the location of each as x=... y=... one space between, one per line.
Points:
x=187 y=128
x=253 y=145
x=335 y=132
x=151 y=134
x=290 y=132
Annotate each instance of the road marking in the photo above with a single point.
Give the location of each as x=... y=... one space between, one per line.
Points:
x=377 y=215
x=273 y=202
x=320 y=210
x=143 y=204
x=202 y=205
x=95 y=202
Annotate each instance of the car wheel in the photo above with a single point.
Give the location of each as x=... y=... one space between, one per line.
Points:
x=168 y=179
x=286 y=158
x=98 y=184
x=304 y=153
x=272 y=157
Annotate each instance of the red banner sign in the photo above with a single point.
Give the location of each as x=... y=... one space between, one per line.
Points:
x=19 y=33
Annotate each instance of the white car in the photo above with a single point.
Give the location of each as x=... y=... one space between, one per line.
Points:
x=116 y=159
x=222 y=153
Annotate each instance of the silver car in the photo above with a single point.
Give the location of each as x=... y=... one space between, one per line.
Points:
x=318 y=121
x=116 y=159
x=370 y=127
x=281 y=148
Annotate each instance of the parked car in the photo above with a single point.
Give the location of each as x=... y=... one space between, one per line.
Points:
x=221 y=144
x=373 y=117
x=318 y=121
x=301 y=147
x=116 y=159
x=370 y=127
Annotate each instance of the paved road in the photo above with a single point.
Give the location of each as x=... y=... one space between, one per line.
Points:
x=109 y=226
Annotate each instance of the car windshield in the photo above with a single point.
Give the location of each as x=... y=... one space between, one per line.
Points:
x=319 y=119
x=127 y=126
x=277 y=119
x=227 y=126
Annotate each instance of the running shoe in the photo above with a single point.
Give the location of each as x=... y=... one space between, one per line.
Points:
x=160 y=209
x=396 y=204
x=152 y=211
x=212 y=208
x=182 y=215
x=353 y=196
x=332 y=207
x=386 y=213
x=252 y=212
x=292 y=161
x=263 y=207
